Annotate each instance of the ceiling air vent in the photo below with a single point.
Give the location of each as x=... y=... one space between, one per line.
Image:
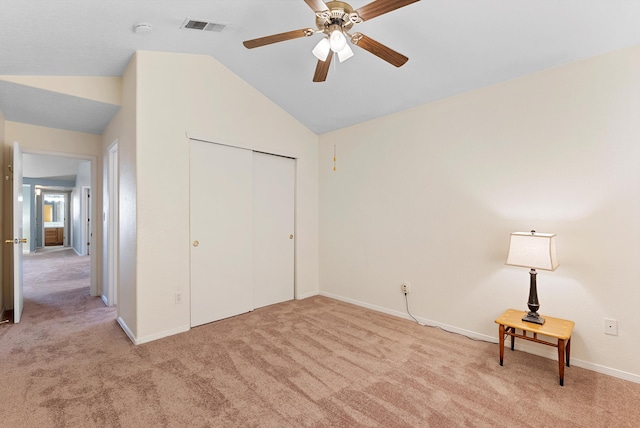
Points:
x=196 y=24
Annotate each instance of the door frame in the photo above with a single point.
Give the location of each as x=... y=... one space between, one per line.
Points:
x=111 y=227
x=86 y=220
x=96 y=258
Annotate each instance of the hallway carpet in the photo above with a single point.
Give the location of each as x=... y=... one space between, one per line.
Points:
x=316 y=362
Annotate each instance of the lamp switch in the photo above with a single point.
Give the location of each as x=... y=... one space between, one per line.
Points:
x=610 y=327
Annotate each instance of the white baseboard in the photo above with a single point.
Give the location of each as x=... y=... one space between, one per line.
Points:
x=552 y=354
x=151 y=337
x=127 y=330
x=525 y=347
x=104 y=300
x=306 y=295
x=430 y=323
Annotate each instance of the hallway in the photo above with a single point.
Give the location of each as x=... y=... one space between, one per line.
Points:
x=56 y=285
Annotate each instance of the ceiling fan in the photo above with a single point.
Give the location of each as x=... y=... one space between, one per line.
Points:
x=334 y=19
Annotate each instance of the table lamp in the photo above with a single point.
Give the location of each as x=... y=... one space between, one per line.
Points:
x=535 y=251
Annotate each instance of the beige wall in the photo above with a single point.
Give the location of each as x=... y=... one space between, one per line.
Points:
x=104 y=89
x=40 y=139
x=224 y=109
x=123 y=128
x=430 y=195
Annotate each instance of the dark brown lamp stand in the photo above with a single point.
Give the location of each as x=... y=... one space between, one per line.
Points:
x=533 y=304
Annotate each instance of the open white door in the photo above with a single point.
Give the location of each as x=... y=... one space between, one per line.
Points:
x=17 y=233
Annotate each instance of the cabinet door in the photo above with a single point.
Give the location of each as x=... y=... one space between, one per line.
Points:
x=221 y=224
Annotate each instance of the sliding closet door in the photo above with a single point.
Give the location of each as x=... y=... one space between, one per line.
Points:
x=273 y=229
x=221 y=231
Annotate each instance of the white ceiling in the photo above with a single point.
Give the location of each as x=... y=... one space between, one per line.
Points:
x=454 y=46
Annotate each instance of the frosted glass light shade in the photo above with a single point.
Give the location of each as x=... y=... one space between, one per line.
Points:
x=321 y=51
x=533 y=250
x=337 y=40
x=345 y=53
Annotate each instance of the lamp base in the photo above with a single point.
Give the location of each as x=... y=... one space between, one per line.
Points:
x=534 y=318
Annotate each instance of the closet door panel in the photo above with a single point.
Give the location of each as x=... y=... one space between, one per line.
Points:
x=273 y=229
x=221 y=223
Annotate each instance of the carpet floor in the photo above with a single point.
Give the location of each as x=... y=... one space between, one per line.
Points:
x=317 y=362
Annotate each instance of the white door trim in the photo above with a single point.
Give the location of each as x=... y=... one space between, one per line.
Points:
x=110 y=291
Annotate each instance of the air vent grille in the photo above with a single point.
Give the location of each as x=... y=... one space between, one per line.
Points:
x=195 y=24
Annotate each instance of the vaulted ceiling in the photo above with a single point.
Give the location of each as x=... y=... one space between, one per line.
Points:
x=453 y=46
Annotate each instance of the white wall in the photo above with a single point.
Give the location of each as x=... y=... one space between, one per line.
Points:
x=430 y=195
x=224 y=109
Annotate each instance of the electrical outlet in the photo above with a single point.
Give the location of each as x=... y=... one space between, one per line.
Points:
x=178 y=298
x=610 y=327
x=405 y=287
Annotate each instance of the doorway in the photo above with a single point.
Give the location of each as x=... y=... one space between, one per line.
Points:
x=57 y=210
x=55 y=218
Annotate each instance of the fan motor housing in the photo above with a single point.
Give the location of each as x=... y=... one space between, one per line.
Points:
x=338 y=14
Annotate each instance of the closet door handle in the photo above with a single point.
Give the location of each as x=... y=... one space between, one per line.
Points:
x=290 y=236
x=196 y=243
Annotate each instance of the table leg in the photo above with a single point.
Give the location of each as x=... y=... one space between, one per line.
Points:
x=501 y=341
x=513 y=338
x=568 y=352
x=561 y=357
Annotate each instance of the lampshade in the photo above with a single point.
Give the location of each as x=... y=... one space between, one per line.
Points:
x=337 y=40
x=533 y=250
x=321 y=51
x=345 y=53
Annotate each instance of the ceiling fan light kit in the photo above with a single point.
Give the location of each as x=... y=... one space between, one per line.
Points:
x=345 y=53
x=337 y=40
x=334 y=19
x=322 y=49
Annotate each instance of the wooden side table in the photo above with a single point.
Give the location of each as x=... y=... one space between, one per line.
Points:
x=511 y=321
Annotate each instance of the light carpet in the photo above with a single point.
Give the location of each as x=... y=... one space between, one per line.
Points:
x=316 y=362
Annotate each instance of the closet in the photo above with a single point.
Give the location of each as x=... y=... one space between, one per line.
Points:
x=241 y=229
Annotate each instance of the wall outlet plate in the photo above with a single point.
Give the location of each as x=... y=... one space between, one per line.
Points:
x=405 y=287
x=610 y=327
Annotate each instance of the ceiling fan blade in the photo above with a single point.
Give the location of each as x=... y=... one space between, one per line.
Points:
x=323 y=68
x=380 y=7
x=379 y=50
x=280 y=37
x=317 y=5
